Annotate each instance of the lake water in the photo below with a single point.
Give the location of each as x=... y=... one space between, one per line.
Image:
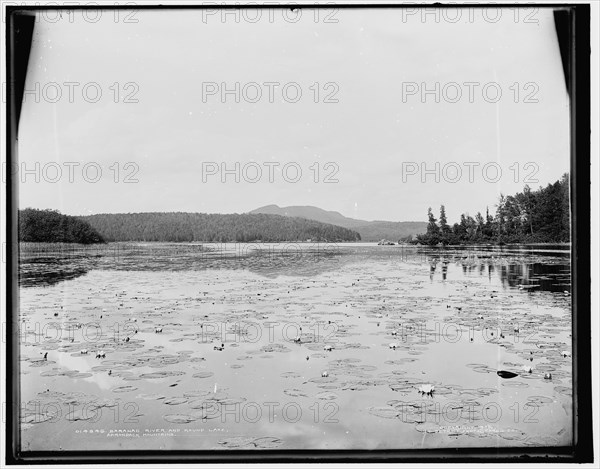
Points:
x=237 y=346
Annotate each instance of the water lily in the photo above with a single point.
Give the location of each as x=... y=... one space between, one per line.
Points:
x=426 y=389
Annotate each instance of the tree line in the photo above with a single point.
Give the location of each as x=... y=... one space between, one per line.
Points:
x=185 y=227
x=50 y=226
x=539 y=216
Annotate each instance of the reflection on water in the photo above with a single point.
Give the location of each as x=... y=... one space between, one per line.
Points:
x=544 y=268
x=50 y=269
x=546 y=274
x=365 y=346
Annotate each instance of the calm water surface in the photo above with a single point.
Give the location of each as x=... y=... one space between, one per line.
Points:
x=374 y=327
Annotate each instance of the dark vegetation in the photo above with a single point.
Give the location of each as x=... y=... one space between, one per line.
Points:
x=540 y=216
x=50 y=226
x=185 y=227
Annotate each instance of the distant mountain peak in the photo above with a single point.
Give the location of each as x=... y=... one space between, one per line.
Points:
x=266 y=207
x=369 y=230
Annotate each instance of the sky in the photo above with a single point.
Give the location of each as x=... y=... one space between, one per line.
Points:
x=359 y=139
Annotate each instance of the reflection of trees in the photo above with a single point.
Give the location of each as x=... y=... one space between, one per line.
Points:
x=515 y=274
x=41 y=268
x=537 y=275
x=515 y=266
x=46 y=271
x=46 y=267
x=546 y=277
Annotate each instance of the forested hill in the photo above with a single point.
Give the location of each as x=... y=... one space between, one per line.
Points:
x=184 y=227
x=50 y=226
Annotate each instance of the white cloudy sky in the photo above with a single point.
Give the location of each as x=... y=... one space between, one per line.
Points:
x=370 y=134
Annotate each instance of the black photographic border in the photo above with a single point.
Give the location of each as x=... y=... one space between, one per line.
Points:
x=573 y=27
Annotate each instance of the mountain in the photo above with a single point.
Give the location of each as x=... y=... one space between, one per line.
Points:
x=184 y=227
x=310 y=213
x=368 y=230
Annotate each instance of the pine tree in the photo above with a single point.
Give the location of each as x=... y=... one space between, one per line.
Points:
x=444 y=228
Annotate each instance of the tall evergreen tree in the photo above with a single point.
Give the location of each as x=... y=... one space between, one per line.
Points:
x=445 y=230
x=530 y=216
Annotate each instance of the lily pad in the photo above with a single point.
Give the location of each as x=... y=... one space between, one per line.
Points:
x=161 y=374
x=326 y=396
x=506 y=374
x=125 y=389
x=385 y=412
x=179 y=418
x=175 y=400
x=295 y=393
